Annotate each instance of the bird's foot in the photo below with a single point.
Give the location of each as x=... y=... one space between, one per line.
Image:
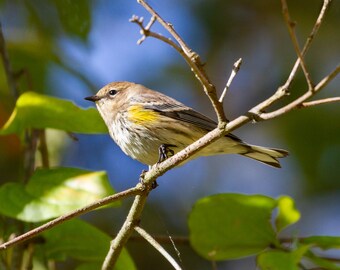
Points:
x=165 y=152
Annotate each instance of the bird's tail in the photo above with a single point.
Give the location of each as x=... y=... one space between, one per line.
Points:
x=268 y=156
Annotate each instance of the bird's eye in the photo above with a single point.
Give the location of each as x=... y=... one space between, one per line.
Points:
x=112 y=92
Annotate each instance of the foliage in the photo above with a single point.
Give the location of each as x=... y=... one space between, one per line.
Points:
x=52 y=113
x=232 y=226
x=52 y=192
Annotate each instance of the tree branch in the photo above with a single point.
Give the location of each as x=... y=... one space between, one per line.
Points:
x=192 y=58
x=319 y=102
x=32 y=233
x=291 y=29
x=158 y=247
x=236 y=68
x=284 y=89
x=297 y=103
x=127 y=228
x=179 y=240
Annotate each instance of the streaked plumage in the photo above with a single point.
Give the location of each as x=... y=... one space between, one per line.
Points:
x=140 y=120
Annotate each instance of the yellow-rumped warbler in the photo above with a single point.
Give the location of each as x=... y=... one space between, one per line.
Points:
x=142 y=121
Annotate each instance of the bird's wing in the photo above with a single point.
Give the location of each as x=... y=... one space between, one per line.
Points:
x=186 y=114
x=183 y=113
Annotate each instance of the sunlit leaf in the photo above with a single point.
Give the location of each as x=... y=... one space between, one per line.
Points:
x=33 y=110
x=227 y=226
x=287 y=214
x=53 y=192
x=81 y=241
x=281 y=260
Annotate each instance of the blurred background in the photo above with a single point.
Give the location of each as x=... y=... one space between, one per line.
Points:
x=70 y=49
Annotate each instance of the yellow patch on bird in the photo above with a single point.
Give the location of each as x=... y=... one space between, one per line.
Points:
x=139 y=115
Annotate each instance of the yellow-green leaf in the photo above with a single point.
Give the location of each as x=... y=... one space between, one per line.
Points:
x=53 y=192
x=287 y=214
x=34 y=110
x=324 y=242
x=281 y=260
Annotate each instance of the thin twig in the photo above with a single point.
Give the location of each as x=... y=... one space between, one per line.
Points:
x=316 y=27
x=291 y=29
x=284 y=89
x=175 y=247
x=158 y=247
x=236 y=68
x=193 y=60
x=147 y=33
x=165 y=239
x=7 y=66
x=127 y=228
x=169 y=27
x=297 y=102
x=32 y=233
x=319 y=102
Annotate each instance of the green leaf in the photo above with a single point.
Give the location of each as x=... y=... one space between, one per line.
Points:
x=324 y=242
x=81 y=241
x=280 y=260
x=53 y=192
x=33 y=110
x=229 y=226
x=322 y=262
x=288 y=214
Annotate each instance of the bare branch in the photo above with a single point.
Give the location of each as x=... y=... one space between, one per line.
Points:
x=297 y=102
x=169 y=27
x=236 y=68
x=127 y=228
x=193 y=59
x=291 y=29
x=309 y=40
x=284 y=89
x=158 y=247
x=32 y=233
x=319 y=102
x=147 y=33
x=179 y=240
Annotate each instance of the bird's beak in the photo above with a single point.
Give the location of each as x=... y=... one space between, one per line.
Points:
x=93 y=98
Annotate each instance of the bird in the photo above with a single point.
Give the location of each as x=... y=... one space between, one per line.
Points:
x=150 y=126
